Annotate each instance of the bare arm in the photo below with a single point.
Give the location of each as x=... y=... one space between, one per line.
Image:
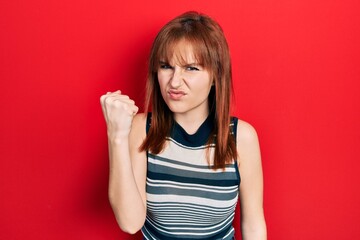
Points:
x=251 y=187
x=127 y=173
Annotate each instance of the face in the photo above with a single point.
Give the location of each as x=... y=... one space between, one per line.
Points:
x=184 y=84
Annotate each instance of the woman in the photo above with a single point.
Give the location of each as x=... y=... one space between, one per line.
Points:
x=175 y=172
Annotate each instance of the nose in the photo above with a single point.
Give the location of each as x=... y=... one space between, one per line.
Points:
x=177 y=78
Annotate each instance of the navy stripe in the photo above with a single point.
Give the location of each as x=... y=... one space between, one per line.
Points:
x=190 y=192
x=198 y=207
x=157 y=157
x=184 y=179
x=163 y=233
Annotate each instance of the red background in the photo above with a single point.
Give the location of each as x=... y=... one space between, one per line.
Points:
x=297 y=81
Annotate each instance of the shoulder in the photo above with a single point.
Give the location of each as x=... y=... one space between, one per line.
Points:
x=247 y=143
x=138 y=127
x=139 y=119
x=245 y=132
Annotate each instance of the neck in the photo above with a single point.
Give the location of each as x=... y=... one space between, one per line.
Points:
x=191 y=122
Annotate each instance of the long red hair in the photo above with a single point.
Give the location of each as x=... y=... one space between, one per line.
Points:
x=212 y=51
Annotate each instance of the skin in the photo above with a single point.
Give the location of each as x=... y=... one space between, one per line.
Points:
x=253 y=224
x=185 y=89
x=127 y=166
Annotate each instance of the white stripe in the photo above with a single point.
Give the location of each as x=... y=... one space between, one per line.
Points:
x=167 y=222
x=232 y=230
x=192 y=188
x=148 y=232
x=190 y=199
x=191 y=156
x=188 y=219
x=172 y=215
x=193 y=233
x=179 y=212
x=189 y=205
x=154 y=182
x=188 y=147
x=163 y=207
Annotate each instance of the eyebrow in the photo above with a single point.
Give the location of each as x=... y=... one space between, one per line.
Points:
x=192 y=64
x=185 y=65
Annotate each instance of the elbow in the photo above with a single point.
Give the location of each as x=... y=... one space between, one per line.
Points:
x=130 y=229
x=131 y=222
x=254 y=231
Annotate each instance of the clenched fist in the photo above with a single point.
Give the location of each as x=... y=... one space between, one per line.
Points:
x=119 y=111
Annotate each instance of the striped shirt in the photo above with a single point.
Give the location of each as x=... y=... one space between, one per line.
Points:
x=186 y=198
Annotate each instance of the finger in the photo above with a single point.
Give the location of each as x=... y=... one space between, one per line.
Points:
x=119 y=102
x=133 y=110
x=109 y=102
x=103 y=108
x=108 y=94
x=127 y=101
x=136 y=109
x=116 y=92
x=116 y=97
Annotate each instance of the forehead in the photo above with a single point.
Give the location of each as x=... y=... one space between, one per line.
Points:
x=180 y=52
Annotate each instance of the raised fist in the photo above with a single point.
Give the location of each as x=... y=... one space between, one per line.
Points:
x=119 y=111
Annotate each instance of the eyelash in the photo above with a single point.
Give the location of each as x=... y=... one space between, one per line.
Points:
x=192 y=68
x=165 y=66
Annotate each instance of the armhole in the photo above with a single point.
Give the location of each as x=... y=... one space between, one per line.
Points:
x=148 y=122
x=234 y=123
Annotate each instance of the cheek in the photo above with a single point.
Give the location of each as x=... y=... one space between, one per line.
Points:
x=160 y=79
x=204 y=84
x=163 y=77
x=162 y=83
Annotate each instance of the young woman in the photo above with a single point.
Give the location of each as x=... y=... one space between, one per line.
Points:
x=175 y=173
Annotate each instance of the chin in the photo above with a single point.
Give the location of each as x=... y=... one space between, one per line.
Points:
x=174 y=109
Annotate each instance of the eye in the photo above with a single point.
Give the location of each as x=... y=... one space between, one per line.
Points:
x=165 y=66
x=192 y=68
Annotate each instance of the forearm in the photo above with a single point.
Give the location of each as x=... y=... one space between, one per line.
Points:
x=253 y=223
x=124 y=195
x=254 y=232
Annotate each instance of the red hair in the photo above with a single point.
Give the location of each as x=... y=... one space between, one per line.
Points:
x=211 y=50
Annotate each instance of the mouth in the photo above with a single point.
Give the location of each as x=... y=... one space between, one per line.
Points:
x=176 y=94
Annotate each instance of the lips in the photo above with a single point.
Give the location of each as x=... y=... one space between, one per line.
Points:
x=176 y=94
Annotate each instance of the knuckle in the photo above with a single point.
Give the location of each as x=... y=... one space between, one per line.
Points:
x=125 y=107
x=102 y=98
x=107 y=100
x=117 y=104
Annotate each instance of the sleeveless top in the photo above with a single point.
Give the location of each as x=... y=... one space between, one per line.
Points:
x=186 y=198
